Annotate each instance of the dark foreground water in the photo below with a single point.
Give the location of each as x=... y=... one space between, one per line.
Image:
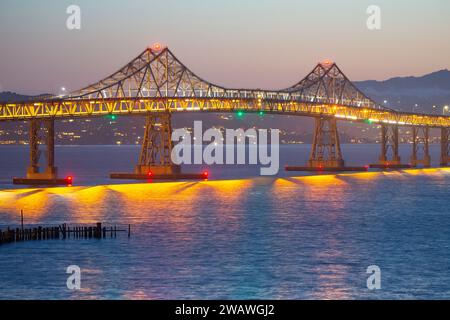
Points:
x=236 y=236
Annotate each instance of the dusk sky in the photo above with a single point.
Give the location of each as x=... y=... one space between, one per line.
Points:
x=236 y=43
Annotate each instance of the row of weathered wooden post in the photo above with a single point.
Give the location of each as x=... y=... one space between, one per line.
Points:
x=60 y=232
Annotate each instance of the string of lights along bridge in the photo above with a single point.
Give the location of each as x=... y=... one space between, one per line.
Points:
x=157 y=84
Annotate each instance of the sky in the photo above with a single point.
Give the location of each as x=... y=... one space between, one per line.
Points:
x=235 y=43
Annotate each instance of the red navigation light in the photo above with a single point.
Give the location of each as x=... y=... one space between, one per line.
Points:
x=366 y=167
x=326 y=63
x=205 y=174
x=150 y=174
x=69 y=179
x=156 y=47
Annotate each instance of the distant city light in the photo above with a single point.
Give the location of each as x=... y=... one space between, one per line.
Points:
x=62 y=92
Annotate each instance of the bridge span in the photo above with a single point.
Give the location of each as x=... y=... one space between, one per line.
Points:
x=157 y=84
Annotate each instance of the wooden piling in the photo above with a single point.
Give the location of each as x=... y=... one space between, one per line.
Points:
x=20 y=234
x=98 y=230
x=21 y=218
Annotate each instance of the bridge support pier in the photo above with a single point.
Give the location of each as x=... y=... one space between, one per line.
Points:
x=389 y=143
x=389 y=157
x=326 y=148
x=33 y=170
x=445 y=146
x=421 y=147
x=326 y=154
x=155 y=156
x=49 y=174
x=155 y=160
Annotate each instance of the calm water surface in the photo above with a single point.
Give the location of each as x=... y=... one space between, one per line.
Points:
x=236 y=236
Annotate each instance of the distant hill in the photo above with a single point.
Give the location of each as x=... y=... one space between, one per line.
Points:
x=12 y=97
x=403 y=93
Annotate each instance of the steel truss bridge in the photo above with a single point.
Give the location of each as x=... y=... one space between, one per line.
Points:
x=157 y=84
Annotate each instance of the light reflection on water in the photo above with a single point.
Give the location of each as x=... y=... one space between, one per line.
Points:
x=289 y=237
x=235 y=237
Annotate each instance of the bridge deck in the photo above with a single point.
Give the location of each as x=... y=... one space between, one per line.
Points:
x=135 y=106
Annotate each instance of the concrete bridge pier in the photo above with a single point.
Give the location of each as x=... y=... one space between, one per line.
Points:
x=445 y=146
x=421 y=147
x=155 y=160
x=34 y=175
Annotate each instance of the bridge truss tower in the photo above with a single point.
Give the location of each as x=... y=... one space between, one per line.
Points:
x=326 y=148
x=155 y=156
x=421 y=149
